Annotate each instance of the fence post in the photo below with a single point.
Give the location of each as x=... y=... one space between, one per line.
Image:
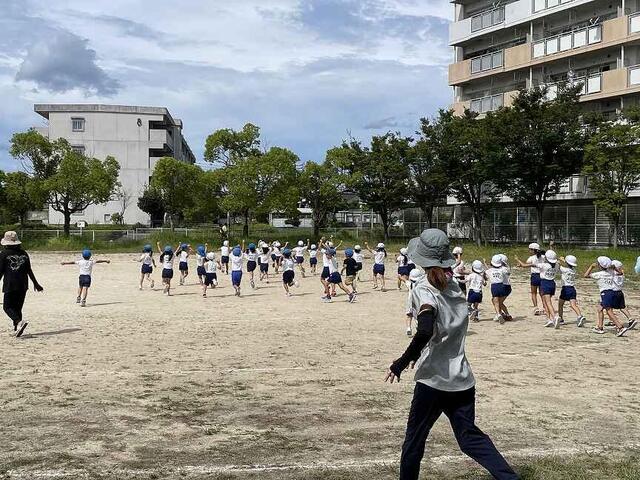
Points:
x=566 y=235
x=93 y=236
x=494 y=224
x=595 y=223
x=626 y=224
x=57 y=233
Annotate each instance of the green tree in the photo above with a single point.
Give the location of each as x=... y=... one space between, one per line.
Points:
x=40 y=156
x=225 y=147
x=430 y=176
x=207 y=193
x=544 y=143
x=78 y=182
x=379 y=174
x=469 y=149
x=612 y=165
x=176 y=183
x=152 y=204
x=19 y=195
x=321 y=189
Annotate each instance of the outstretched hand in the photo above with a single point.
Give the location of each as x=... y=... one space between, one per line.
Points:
x=391 y=377
x=38 y=288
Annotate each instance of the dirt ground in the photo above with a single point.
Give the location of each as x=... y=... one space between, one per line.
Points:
x=140 y=385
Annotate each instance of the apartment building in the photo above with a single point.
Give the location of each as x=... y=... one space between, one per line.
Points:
x=137 y=137
x=501 y=47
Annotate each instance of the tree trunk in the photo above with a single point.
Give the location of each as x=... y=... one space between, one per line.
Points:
x=385 y=225
x=245 y=227
x=67 y=223
x=540 y=225
x=616 y=225
x=428 y=216
x=477 y=227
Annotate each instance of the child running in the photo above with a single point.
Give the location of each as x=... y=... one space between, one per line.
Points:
x=379 y=257
x=299 y=255
x=264 y=257
x=166 y=259
x=210 y=276
x=358 y=256
x=618 y=285
x=495 y=273
x=252 y=256
x=184 y=250
x=459 y=272
x=476 y=280
x=84 y=281
x=313 y=258
x=604 y=278
x=201 y=258
x=403 y=268
x=235 y=259
x=536 y=256
x=568 y=292
x=288 y=272
x=148 y=264
x=548 y=270
x=351 y=268
x=224 y=256
x=415 y=276
x=335 y=278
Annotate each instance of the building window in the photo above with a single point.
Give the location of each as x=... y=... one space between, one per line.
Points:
x=78 y=149
x=487 y=19
x=77 y=124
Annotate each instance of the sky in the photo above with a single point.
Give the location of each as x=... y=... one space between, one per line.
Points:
x=309 y=73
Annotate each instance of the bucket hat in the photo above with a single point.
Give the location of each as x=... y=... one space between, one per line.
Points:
x=10 y=238
x=431 y=249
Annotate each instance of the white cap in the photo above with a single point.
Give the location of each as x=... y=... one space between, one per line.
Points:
x=551 y=256
x=313 y=246
x=415 y=274
x=534 y=246
x=496 y=261
x=403 y=251
x=477 y=266
x=330 y=244
x=225 y=243
x=616 y=263
x=210 y=256
x=357 y=247
x=504 y=259
x=300 y=243
x=381 y=245
x=604 y=262
x=571 y=260
x=457 y=250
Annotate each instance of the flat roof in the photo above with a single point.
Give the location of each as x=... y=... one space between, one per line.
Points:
x=44 y=109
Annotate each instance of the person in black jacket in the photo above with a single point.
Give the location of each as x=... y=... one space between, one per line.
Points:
x=15 y=268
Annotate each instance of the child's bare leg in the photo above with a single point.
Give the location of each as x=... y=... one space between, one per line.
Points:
x=576 y=308
x=382 y=279
x=85 y=291
x=561 y=308
x=495 y=301
x=600 y=316
x=344 y=289
x=503 y=307
x=534 y=296
x=613 y=317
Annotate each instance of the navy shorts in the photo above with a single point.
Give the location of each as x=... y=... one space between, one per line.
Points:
x=84 y=280
x=358 y=266
x=167 y=273
x=411 y=266
x=474 y=297
x=608 y=299
x=288 y=276
x=236 y=277
x=201 y=271
x=146 y=268
x=209 y=278
x=547 y=287
x=273 y=257
x=225 y=259
x=378 y=268
x=507 y=290
x=619 y=300
x=325 y=273
x=568 y=293
x=403 y=271
x=183 y=267
x=300 y=260
x=264 y=267
x=251 y=266
x=335 y=278
x=498 y=290
x=313 y=261
x=535 y=279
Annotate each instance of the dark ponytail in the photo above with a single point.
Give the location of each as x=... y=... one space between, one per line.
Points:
x=438 y=277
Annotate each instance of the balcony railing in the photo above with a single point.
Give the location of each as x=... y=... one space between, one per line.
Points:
x=487 y=19
x=634 y=23
x=634 y=75
x=590 y=84
x=539 y=5
x=487 y=62
x=567 y=41
x=486 y=104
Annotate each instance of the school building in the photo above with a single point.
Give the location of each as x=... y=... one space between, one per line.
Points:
x=137 y=137
x=502 y=47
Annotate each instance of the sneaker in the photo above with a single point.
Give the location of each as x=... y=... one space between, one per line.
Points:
x=561 y=321
x=550 y=323
x=326 y=299
x=153 y=284
x=253 y=284
x=352 y=297
x=609 y=324
x=475 y=314
x=78 y=300
x=497 y=318
x=501 y=320
x=83 y=303
x=204 y=295
x=537 y=311
x=597 y=330
x=622 y=331
x=288 y=294
x=632 y=324
x=375 y=286
x=409 y=333
x=296 y=283
x=20 y=328
x=580 y=321
x=508 y=318
x=556 y=322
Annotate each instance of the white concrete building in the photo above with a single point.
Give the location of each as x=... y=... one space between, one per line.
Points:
x=137 y=137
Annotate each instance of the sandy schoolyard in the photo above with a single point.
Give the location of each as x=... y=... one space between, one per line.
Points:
x=140 y=385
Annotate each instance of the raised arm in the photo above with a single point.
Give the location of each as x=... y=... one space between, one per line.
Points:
x=103 y=261
x=158 y=247
x=366 y=246
x=587 y=274
x=67 y=263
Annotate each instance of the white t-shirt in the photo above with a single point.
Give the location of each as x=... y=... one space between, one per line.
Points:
x=224 y=251
x=184 y=256
x=496 y=275
x=604 y=279
x=265 y=257
x=86 y=266
x=167 y=261
x=210 y=266
x=277 y=252
x=535 y=261
x=401 y=261
x=458 y=271
x=618 y=282
x=313 y=253
x=325 y=259
x=568 y=276
x=358 y=256
x=548 y=271
x=236 y=263
x=506 y=275
x=333 y=265
x=251 y=256
x=299 y=251
x=378 y=257
x=146 y=259
x=200 y=260
x=475 y=281
x=287 y=264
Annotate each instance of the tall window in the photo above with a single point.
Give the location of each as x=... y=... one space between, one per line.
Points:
x=77 y=124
